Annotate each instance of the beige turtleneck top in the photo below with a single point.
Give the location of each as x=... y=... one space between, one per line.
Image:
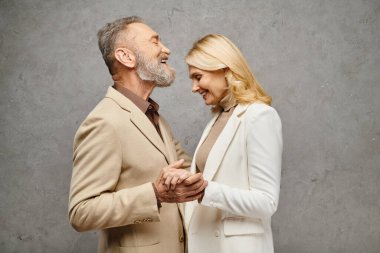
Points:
x=227 y=105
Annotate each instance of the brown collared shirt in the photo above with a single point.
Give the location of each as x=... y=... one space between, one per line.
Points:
x=150 y=107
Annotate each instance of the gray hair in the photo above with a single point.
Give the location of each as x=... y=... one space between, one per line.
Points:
x=108 y=35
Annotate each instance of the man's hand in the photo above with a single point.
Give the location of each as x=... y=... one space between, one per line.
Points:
x=176 y=185
x=173 y=175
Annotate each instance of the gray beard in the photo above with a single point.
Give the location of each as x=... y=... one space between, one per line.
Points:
x=152 y=71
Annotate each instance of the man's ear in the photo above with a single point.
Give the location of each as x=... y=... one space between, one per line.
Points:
x=125 y=57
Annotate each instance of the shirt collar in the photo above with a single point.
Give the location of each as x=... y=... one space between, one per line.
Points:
x=141 y=103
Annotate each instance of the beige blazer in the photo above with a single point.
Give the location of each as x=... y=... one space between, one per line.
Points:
x=243 y=169
x=117 y=155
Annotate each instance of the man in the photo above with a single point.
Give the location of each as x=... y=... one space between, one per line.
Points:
x=127 y=177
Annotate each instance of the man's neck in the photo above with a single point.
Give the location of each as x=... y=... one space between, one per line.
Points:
x=133 y=83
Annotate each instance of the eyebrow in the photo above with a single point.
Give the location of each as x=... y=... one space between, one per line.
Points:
x=193 y=75
x=155 y=36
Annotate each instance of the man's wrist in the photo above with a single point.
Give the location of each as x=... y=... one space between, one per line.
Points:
x=156 y=193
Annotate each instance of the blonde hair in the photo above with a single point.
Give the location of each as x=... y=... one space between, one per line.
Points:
x=214 y=52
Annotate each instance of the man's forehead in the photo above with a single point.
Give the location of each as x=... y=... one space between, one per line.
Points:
x=142 y=30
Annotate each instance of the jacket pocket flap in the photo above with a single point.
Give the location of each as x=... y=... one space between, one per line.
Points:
x=242 y=226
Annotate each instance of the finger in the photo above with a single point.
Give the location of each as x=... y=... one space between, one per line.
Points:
x=159 y=179
x=203 y=186
x=181 y=174
x=169 y=173
x=189 y=191
x=195 y=185
x=193 y=178
x=184 y=176
x=173 y=183
x=167 y=182
x=177 y=164
x=200 y=187
x=194 y=197
x=165 y=172
x=186 y=188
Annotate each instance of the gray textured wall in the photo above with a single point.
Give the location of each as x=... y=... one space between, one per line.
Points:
x=319 y=59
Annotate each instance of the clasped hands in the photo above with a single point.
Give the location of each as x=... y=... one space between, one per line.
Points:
x=176 y=185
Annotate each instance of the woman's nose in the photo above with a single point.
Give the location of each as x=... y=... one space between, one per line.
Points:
x=195 y=87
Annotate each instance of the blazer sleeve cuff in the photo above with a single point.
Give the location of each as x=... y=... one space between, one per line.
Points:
x=211 y=198
x=145 y=205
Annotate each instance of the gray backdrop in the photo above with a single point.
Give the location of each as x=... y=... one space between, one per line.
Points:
x=319 y=59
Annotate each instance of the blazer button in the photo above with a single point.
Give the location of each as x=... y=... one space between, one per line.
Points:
x=181 y=238
x=137 y=222
x=217 y=233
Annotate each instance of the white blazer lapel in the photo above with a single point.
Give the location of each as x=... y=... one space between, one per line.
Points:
x=205 y=133
x=220 y=147
x=190 y=206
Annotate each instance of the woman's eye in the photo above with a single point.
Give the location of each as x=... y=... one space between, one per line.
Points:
x=198 y=77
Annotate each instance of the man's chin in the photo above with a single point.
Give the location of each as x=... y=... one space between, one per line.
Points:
x=169 y=78
x=165 y=84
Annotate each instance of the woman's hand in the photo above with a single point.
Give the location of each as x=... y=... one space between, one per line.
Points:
x=175 y=185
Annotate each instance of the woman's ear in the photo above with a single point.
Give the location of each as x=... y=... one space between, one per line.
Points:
x=227 y=73
x=125 y=57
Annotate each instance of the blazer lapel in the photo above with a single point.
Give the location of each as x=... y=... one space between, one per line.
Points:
x=146 y=127
x=220 y=147
x=205 y=133
x=139 y=119
x=190 y=206
x=168 y=142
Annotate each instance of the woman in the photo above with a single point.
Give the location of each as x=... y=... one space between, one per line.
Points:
x=239 y=154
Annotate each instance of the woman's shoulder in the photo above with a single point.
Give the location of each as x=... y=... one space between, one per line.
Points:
x=260 y=112
x=257 y=108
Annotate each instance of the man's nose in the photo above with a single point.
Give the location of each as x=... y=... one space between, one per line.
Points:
x=165 y=49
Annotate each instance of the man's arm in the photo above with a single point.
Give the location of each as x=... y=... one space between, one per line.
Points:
x=94 y=203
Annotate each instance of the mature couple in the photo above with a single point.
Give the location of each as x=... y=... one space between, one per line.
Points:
x=130 y=175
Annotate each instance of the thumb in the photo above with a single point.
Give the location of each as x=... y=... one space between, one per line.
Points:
x=177 y=164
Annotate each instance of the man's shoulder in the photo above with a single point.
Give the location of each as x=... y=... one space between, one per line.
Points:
x=107 y=111
x=104 y=108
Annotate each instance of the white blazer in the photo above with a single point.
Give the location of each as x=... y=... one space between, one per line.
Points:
x=243 y=170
